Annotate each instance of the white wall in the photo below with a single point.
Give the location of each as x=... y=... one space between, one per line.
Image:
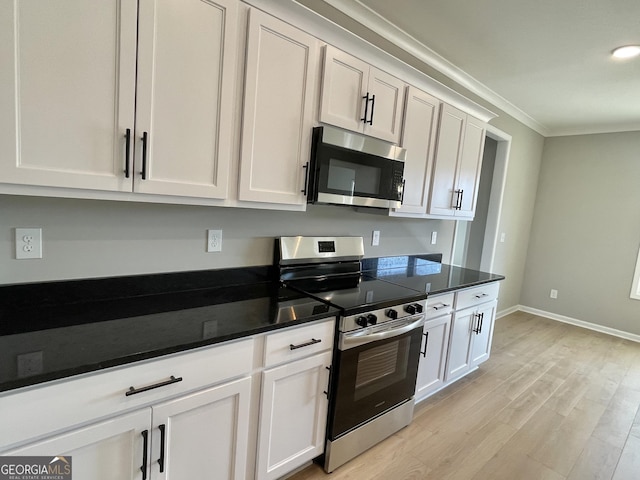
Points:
x=586 y=230
x=91 y=238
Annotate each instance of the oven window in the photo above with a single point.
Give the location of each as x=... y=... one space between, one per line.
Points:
x=380 y=367
x=352 y=177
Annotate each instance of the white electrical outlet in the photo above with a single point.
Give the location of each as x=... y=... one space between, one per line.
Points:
x=28 y=243
x=214 y=240
x=434 y=238
x=502 y=237
x=554 y=293
x=375 y=238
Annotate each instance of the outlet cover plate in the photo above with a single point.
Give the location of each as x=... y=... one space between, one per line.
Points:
x=28 y=243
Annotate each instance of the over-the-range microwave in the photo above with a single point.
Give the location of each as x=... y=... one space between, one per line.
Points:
x=352 y=169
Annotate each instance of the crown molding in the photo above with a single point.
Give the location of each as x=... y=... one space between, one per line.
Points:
x=594 y=129
x=373 y=21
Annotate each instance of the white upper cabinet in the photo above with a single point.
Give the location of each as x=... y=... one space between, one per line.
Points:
x=185 y=97
x=359 y=97
x=70 y=96
x=458 y=159
x=282 y=67
x=67 y=92
x=418 y=138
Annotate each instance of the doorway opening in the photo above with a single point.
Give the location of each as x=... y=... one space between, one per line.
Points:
x=475 y=242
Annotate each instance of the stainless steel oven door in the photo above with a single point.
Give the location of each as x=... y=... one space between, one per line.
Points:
x=375 y=370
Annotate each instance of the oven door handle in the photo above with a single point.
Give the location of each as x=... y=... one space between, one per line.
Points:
x=353 y=340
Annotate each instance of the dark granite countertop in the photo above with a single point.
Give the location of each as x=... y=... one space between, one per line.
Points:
x=81 y=326
x=425 y=273
x=86 y=325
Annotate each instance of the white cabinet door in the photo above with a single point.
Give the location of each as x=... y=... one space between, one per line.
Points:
x=457 y=164
x=470 y=166
x=483 y=334
x=293 y=415
x=458 y=359
x=280 y=88
x=344 y=86
x=185 y=97
x=203 y=435
x=450 y=136
x=431 y=369
x=347 y=101
x=109 y=450
x=418 y=138
x=67 y=92
x=387 y=94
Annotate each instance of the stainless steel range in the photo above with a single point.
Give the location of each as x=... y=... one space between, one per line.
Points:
x=379 y=335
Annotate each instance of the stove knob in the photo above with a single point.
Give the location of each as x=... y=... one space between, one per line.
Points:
x=419 y=308
x=410 y=309
x=362 y=321
x=372 y=319
x=391 y=313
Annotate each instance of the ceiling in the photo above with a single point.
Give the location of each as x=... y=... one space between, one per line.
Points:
x=546 y=62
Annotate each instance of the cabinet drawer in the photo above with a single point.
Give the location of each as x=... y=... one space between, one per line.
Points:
x=477 y=295
x=294 y=343
x=440 y=305
x=36 y=411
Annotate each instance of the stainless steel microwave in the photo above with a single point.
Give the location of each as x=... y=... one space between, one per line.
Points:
x=351 y=169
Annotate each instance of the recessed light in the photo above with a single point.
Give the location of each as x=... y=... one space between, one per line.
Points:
x=627 y=51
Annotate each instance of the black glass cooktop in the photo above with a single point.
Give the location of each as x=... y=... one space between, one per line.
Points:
x=425 y=275
x=361 y=294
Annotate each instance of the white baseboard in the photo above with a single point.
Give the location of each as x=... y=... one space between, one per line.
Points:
x=573 y=321
x=508 y=311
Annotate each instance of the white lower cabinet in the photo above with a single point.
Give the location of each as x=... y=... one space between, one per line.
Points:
x=431 y=368
x=293 y=402
x=457 y=336
x=110 y=450
x=293 y=415
x=202 y=435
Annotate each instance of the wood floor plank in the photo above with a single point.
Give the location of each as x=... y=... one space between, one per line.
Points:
x=566 y=441
x=597 y=461
x=629 y=465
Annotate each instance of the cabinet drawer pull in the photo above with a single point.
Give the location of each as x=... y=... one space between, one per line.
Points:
x=145 y=139
x=482 y=295
x=442 y=305
x=162 y=429
x=373 y=104
x=133 y=391
x=127 y=154
x=145 y=446
x=312 y=342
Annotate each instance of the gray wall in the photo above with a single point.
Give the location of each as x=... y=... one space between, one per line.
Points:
x=91 y=238
x=586 y=230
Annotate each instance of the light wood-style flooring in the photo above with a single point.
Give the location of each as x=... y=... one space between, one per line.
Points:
x=553 y=402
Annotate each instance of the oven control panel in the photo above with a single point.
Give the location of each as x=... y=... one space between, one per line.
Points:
x=380 y=316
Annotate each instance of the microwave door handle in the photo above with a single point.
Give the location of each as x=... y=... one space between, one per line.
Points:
x=402 y=195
